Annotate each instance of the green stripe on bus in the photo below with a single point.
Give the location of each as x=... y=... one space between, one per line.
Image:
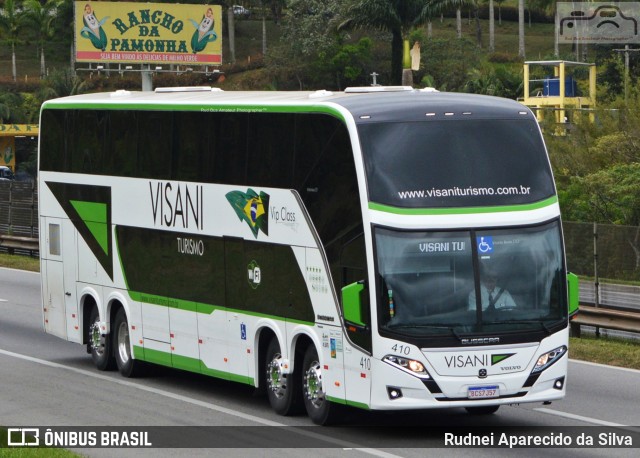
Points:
x=359 y=405
x=205 y=108
x=154 y=356
x=186 y=363
x=205 y=309
x=462 y=210
x=94 y=215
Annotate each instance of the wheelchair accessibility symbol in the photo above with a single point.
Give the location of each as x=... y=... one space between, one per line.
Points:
x=485 y=244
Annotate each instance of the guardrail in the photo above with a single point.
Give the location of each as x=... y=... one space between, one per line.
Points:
x=16 y=242
x=611 y=295
x=605 y=318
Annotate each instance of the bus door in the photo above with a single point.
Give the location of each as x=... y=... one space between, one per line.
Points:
x=59 y=301
x=236 y=283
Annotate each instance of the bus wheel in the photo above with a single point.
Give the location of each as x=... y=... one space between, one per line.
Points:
x=99 y=345
x=319 y=408
x=282 y=391
x=127 y=366
x=484 y=410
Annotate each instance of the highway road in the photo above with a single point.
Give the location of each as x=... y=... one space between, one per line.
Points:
x=45 y=381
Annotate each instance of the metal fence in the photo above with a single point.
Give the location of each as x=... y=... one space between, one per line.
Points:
x=603 y=251
x=18 y=208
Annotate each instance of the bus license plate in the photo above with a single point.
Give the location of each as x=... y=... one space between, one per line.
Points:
x=483 y=392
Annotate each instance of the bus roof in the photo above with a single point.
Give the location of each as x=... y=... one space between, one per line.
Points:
x=365 y=104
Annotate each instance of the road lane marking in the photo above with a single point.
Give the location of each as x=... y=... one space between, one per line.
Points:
x=149 y=389
x=346 y=445
x=588 y=363
x=595 y=421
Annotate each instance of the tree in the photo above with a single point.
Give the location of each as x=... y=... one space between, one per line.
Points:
x=308 y=41
x=492 y=28
x=276 y=9
x=521 y=52
x=608 y=196
x=11 y=108
x=474 y=5
x=42 y=17
x=499 y=2
x=481 y=81
x=547 y=6
x=65 y=25
x=11 y=23
x=351 y=61
x=448 y=62
x=394 y=16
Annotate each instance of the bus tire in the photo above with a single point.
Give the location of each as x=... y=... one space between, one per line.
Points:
x=127 y=366
x=99 y=346
x=319 y=408
x=484 y=410
x=283 y=391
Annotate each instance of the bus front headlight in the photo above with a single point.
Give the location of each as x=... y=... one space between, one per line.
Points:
x=408 y=365
x=548 y=359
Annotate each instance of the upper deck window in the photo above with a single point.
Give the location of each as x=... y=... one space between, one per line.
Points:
x=448 y=163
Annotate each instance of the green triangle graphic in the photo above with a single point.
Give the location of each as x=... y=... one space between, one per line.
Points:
x=94 y=215
x=495 y=359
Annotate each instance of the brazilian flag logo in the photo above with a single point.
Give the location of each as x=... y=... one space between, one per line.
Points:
x=252 y=209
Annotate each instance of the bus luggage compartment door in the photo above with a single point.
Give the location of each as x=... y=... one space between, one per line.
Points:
x=58 y=290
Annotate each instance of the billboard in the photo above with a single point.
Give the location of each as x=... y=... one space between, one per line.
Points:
x=148 y=33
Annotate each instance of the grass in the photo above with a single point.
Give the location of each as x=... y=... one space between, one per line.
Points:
x=12 y=261
x=39 y=452
x=606 y=350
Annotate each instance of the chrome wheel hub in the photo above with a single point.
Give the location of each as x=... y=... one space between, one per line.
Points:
x=276 y=380
x=312 y=385
x=96 y=339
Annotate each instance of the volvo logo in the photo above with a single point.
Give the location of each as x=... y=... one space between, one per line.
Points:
x=482 y=373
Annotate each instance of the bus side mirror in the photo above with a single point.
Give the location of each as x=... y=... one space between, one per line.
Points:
x=573 y=284
x=352 y=303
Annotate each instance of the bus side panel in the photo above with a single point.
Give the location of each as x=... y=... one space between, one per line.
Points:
x=185 y=352
x=212 y=337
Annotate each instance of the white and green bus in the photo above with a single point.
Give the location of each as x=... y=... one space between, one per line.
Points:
x=329 y=249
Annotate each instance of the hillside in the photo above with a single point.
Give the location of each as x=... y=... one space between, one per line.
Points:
x=539 y=45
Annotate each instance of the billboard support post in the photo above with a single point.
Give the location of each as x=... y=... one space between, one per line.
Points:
x=147 y=80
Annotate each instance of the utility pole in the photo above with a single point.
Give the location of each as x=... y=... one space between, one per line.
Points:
x=626 y=52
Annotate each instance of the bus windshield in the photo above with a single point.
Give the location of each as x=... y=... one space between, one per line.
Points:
x=469 y=282
x=463 y=163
